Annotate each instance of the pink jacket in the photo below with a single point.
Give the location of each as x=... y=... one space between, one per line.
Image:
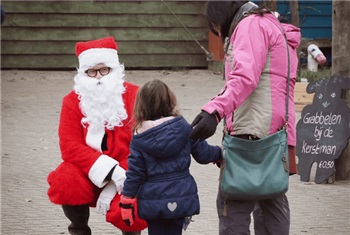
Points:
x=253 y=100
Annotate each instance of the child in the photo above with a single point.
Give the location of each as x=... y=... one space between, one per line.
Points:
x=158 y=165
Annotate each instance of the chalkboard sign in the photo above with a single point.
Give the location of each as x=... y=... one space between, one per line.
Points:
x=324 y=128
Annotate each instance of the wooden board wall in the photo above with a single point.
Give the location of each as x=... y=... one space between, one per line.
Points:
x=43 y=34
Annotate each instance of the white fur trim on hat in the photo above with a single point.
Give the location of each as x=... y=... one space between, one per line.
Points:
x=94 y=56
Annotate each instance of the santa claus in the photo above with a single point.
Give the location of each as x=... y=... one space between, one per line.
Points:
x=95 y=130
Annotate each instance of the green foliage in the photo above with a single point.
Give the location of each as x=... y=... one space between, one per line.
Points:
x=313 y=76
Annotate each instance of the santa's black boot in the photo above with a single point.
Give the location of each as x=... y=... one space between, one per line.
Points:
x=131 y=233
x=79 y=217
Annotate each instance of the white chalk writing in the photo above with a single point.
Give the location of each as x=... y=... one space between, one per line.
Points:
x=318 y=149
x=326 y=164
x=319 y=118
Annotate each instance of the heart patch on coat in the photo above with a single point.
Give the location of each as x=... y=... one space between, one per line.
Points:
x=172 y=206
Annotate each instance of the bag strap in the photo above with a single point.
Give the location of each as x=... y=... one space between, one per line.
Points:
x=288 y=75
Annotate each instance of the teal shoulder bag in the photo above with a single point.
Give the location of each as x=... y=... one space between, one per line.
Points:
x=255 y=169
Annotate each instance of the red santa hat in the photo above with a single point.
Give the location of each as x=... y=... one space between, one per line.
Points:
x=100 y=51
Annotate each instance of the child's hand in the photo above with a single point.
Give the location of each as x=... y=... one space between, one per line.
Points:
x=218 y=163
x=128 y=206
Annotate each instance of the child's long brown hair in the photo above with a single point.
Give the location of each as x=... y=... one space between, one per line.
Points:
x=154 y=100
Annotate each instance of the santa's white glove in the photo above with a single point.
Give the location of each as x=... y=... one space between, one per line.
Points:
x=105 y=198
x=118 y=178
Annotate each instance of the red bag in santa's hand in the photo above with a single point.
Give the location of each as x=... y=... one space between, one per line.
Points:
x=114 y=216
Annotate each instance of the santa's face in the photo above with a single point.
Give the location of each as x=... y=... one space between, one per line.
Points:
x=100 y=96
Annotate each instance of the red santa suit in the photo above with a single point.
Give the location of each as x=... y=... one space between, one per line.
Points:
x=89 y=156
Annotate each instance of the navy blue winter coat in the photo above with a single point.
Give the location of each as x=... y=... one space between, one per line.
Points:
x=158 y=170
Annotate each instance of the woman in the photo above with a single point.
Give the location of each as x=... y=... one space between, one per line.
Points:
x=252 y=101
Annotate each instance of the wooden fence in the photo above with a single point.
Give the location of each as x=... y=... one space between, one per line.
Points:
x=43 y=34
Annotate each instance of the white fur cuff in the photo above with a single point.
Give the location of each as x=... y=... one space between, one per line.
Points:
x=100 y=170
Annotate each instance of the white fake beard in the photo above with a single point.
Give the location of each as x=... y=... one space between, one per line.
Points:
x=101 y=100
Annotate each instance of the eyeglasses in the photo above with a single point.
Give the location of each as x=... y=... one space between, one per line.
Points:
x=93 y=72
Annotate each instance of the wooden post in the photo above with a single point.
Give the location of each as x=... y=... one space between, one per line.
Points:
x=216 y=48
x=271 y=4
x=341 y=66
x=294 y=15
x=294 y=8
